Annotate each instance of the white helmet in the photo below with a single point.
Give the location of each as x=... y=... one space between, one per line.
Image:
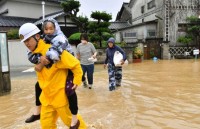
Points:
x=27 y=30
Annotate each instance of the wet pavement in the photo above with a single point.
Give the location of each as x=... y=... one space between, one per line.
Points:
x=154 y=95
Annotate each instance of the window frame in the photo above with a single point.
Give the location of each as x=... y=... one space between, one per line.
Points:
x=151 y=4
x=143 y=9
x=130 y=34
x=149 y=35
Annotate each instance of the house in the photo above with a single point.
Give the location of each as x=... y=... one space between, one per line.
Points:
x=123 y=20
x=116 y=26
x=124 y=14
x=157 y=24
x=14 y=13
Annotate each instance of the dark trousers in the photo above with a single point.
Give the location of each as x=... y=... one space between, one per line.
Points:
x=73 y=103
x=90 y=70
x=38 y=91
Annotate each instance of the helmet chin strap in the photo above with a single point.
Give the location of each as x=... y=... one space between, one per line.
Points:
x=36 y=42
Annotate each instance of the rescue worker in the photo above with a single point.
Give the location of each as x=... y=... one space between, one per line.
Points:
x=52 y=80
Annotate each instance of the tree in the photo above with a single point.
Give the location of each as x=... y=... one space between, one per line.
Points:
x=71 y=8
x=185 y=39
x=81 y=22
x=99 y=26
x=95 y=28
x=193 y=29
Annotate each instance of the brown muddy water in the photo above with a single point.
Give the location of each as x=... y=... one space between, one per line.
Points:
x=154 y=95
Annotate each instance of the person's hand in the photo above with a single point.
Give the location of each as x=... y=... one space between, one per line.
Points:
x=44 y=60
x=74 y=87
x=94 y=56
x=122 y=62
x=39 y=67
x=104 y=66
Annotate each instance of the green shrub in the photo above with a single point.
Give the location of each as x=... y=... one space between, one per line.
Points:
x=123 y=44
x=94 y=37
x=13 y=34
x=74 y=38
x=104 y=44
x=184 y=39
x=120 y=44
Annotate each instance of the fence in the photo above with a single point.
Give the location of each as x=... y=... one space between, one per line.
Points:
x=181 y=52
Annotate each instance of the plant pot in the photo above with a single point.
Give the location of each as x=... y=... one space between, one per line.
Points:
x=137 y=60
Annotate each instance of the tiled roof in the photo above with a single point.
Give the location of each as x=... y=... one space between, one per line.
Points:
x=52 y=15
x=11 y=21
x=125 y=8
x=57 y=1
x=118 y=25
x=132 y=26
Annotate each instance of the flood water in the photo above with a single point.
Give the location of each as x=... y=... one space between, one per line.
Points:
x=154 y=95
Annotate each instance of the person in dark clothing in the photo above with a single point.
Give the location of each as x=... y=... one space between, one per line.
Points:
x=114 y=72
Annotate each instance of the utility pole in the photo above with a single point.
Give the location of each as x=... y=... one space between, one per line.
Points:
x=198 y=11
x=43 y=10
x=167 y=9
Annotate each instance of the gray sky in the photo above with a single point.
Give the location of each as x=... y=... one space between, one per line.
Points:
x=110 y=6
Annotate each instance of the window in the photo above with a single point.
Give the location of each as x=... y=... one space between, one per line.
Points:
x=142 y=9
x=151 y=4
x=151 y=33
x=130 y=34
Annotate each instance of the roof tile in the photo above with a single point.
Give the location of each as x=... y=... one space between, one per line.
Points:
x=11 y=21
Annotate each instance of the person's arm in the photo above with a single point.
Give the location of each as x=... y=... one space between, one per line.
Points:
x=43 y=61
x=94 y=51
x=78 y=56
x=34 y=57
x=94 y=55
x=78 y=53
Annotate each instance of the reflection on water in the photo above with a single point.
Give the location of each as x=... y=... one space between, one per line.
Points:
x=153 y=95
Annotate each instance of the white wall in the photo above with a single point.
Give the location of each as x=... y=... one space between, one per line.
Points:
x=28 y=8
x=136 y=11
x=140 y=30
x=117 y=36
x=18 y=53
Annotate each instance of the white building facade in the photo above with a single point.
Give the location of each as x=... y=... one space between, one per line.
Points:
x=159 y=22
